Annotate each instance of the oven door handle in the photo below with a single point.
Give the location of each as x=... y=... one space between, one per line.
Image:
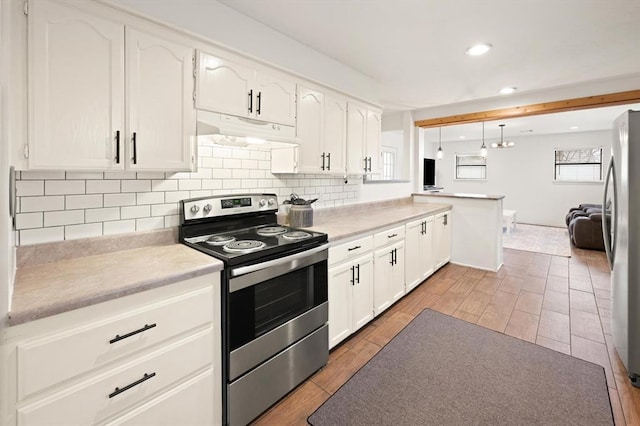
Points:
x=279 y=266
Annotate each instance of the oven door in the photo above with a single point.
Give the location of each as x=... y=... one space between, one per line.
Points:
x=273 y=304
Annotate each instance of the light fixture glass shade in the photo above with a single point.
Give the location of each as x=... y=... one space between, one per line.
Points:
x=502 y=143
x=440 y=152
x=483 y=148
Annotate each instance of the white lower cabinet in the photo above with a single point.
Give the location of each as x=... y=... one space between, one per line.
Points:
x=442 y=238
x=388 y=259
x=419 y=250
x=151 y=357
x=350 y=289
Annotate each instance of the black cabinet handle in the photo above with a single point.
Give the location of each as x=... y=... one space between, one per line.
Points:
x=391 y=252
x=445 y=219
x=353 y=278
x=135 y=149
x=354 y=248
x=118 y=391
x=251 y=100
x=365 y=164
x=258 y=106
x=133 y=333
x=369 y=163
x=358 y=274
x=392 y=235
x=328 y=161
x=322 y=156
x=117 y=146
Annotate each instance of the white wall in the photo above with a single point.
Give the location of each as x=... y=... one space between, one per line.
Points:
x=221 y=24
x=524 y=175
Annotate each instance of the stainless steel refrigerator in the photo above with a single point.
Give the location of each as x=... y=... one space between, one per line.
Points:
x=621 y=230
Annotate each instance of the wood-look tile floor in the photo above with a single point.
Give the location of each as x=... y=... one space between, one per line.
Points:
x=557 y=302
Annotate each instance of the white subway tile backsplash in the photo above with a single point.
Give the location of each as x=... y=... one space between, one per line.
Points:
x=82 y=204
x=189 y=184
x=149 y=223
x=41 y=235
x=29 y=220
x=172 y=220
x=36 y=175
x=120 y=175
x=84 y=175
x=66 y=217
x=102 y=215
x=175 y=196
x=119 y=227
x=164 y=185
x=88 y=230
x=61 y=187
x=41 y=204
x=117 y=200
x=149 y=198
x=164 y=209
x=25 y=188
x=135 y=185
x=135 y=212
x=103 y=186
x=73 y=202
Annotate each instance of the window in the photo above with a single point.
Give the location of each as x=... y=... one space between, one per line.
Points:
x=471 y=167
x=388 y=160
x=578 y=165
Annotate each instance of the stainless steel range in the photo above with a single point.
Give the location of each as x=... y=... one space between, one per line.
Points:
x=274 y=294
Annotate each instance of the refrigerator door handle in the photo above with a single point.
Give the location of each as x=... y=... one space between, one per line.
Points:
x=609 y=243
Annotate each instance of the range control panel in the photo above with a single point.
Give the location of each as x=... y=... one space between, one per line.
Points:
x=225 y=205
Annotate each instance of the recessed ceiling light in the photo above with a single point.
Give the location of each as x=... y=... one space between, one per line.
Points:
x=463 y=137
x=574 y=128
x=508 y=90
x=478 y=49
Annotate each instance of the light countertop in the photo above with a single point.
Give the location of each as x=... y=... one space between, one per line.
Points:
x=458 y=195
x=352 y=221
x=52 y=288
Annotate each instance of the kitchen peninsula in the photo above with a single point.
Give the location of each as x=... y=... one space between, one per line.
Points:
x=477 y=236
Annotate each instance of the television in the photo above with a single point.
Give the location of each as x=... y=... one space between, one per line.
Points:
x=429 y=172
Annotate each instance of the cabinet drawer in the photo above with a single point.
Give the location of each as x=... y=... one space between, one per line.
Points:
x=49 y=360
x=124 y=386
x=349 y=250
x=389 y=236
x=190 y=403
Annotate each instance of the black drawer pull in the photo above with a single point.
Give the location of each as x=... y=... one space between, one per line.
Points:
x=118 y=391
x=354 y=248
x=392 y=235
x=133 y=333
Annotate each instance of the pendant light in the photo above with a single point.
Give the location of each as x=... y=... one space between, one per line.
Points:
x=502 y=143
x=440 y=152
x=483 y=148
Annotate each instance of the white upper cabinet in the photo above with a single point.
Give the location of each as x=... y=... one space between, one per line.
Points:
x=76 y=89
x=309 y=130
x=364 y=126
x=232 y=86
x=161 y=120
x=335 y=133
x=80 y=116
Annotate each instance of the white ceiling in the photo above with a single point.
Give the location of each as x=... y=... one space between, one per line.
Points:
x=415 y=48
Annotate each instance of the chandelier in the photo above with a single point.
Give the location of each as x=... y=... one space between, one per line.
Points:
x=502 y=143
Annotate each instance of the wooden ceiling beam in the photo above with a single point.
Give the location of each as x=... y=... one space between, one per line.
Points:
x=620 y=98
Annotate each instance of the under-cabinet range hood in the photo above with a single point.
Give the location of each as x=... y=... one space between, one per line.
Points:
x=222 y=129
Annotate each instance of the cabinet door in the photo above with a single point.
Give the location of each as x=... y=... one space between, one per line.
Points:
x=309 y=129
x=335 y=133
x=373 y=140
x=340 y=284
x=275 y=99
x=161 y=117
x=414 y=257
x=362 y=300
x=76 y=88
x=224 y=86
x=426 y=250
x=356 y=127
x=382 y=291
x=397 y=272
x=442 y=239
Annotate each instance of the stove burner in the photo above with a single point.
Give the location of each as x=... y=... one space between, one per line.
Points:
x=296 y=235
x=269 y=231
x=244 y=246
x=219 y=240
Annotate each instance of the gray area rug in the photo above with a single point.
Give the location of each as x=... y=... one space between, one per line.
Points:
x=443 y=371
